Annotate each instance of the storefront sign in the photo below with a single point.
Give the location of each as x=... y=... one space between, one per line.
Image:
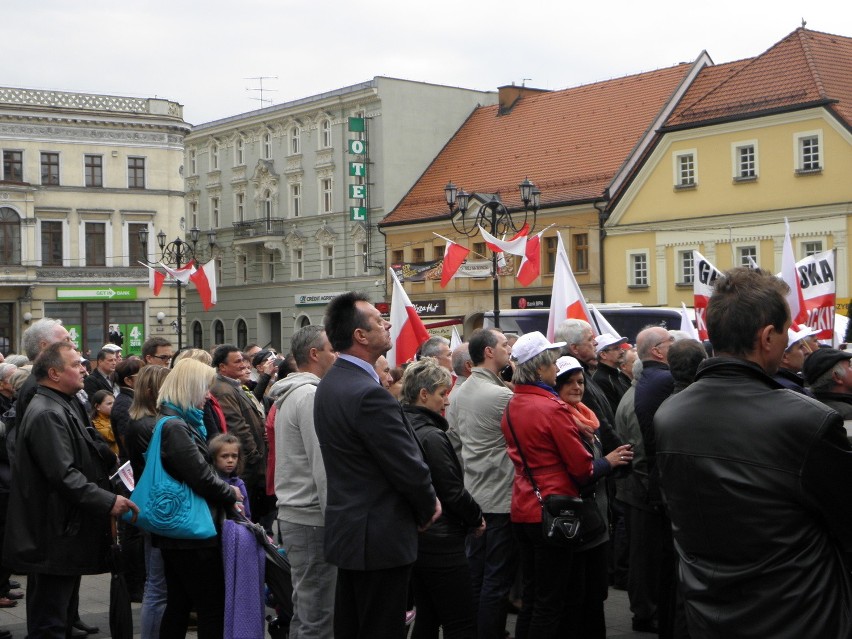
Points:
x=531 y=301
x=430 y=308
x=315 y=299
x=92 y=294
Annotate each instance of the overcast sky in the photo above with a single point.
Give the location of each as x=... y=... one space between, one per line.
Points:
x=200 y=53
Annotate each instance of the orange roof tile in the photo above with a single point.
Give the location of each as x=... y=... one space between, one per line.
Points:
x=805 y=68
x=571 y=143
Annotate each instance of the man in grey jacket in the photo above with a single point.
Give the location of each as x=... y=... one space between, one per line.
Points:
x=300 y=486
x=474 y=416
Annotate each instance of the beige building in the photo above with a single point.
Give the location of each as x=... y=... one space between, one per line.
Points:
x=81 y=175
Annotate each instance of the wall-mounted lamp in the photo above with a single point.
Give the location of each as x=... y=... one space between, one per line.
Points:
x=160 y=317
x=28 y=317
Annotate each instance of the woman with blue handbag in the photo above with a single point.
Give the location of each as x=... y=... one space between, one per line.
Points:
x=188 y=539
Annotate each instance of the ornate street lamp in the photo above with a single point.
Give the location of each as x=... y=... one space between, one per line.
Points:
x=496 y=219
x=176 y=253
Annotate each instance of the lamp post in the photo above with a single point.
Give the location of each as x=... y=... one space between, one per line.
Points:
x=497 y=219
x=176 y=253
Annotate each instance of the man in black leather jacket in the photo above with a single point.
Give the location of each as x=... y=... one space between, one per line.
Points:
x=757 y=480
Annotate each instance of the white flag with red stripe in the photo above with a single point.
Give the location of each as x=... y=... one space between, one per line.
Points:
x=531 y=262
x=566 y=300
x=182 y=274
x=204 y=279
x=789 y=273
x=516 y=246
x=155 y=279
x=407 y=330
x=704 y=276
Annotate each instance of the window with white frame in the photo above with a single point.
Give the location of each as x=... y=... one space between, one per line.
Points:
x=328 y=260
x=811 y=247
x=296 y=199
x=218 y=270
x=809 y=152
x=135 y=173
x=269 y=266
x=746 y=255
x=13 y=165
x=52 y=242
x=267 y=145
x=93 y=170
x=637 y=268
x=95 y=243
x=326 y=195
x=240 y=206
x=214 y=156
x=295 y=140
x=267 y=209
x=361 y=258
x=685 y=169
x=745 y=160
x=50 y=168
x=214 y=212
x=193 y=214
x=193 y=162
x=239 y=151
x=325 y=134
x=242 y=269
x=297 y=264
x=685 y=267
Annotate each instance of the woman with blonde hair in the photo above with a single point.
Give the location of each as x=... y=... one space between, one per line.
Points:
x=195 y=576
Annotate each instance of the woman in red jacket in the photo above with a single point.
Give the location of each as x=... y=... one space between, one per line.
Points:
x=560 y=463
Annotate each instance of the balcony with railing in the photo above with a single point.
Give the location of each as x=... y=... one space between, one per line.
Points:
x=266 y=227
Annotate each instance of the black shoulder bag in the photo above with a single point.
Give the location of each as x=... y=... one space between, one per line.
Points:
x=565 y=520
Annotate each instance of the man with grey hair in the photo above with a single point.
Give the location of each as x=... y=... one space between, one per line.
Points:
x=439 y=348
x=462 y=363
x=300 y=485
x=828 y=372
x=7 y=394
x=36 y=338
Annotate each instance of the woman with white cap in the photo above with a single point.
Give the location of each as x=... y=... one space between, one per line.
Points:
x=540 y=424
x=587 y=582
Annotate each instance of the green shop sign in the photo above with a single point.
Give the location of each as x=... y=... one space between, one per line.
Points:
x=96 y=294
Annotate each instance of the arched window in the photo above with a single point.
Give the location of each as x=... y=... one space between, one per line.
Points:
x=197 y=335
x=295 y=140
x=218 y=332
x=325 y=134
x=267 y=145
x=242 y=334
x=304 y=320
x=10 y=237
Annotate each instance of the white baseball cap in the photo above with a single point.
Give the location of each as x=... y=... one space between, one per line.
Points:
x=795 y=336
x=114 y=348
x=531 y=344
x=605 y=340
x=567 y=364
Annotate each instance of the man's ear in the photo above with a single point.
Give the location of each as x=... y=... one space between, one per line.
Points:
x=765 y=337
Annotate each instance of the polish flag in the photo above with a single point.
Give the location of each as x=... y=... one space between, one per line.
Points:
x=602 y=325
x=155 y=279
x=531 y=262
x=566 y=301
x=516 y=246
x=182 y=274
x=454 y=256
x=686 y=324
x=204 y=279
x=789 y=273
x=407 y=330
x=455 y=339
x=704 y=278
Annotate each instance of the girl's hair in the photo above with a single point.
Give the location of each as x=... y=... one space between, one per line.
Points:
x=187 y=385
x=193 y=353
x=426 y=373
x=219 y=442
x=145 y=391
x=98 y=399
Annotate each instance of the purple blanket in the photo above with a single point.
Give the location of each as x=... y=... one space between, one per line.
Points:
x=245 y=564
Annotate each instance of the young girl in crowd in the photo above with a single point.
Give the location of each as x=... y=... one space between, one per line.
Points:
x=227 y=458
x=102 y=402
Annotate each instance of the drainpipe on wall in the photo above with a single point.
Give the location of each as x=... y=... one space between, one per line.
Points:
x=600 y=205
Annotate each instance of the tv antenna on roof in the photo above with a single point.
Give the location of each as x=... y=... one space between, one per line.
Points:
x=260 y=78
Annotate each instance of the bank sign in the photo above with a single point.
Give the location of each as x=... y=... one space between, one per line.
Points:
x=96 y=294
x=315 y=299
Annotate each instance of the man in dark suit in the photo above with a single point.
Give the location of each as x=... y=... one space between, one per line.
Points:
x=379 y=488
x=101 y=377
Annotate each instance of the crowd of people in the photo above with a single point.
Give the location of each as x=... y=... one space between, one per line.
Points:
x=413 y=496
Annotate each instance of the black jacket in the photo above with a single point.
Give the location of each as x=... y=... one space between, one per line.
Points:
x=120 y=417
x=613 y=384
x=460 y=512
x=758 y=482
x=185 y=457
x=58 y=518
x=841 y=402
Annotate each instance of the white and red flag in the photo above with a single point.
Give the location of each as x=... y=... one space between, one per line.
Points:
x=407 y=330
x=454 y=257
x=155 y=279
x=566 y=300
x=704 y=275
x=517 y=245
x=531 y=262
x=204 y=279
x=181 y=274
x=790 y=274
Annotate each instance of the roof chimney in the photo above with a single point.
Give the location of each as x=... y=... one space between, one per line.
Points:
x=508 y=96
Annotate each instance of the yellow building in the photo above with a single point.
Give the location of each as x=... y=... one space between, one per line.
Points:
x=82 y=174
x=751 y=143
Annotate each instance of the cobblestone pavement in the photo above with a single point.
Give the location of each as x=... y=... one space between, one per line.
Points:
x=94 y=610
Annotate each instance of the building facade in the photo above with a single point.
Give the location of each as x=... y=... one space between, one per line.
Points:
x=294 y=192
x=82 y=174
x=751 y=143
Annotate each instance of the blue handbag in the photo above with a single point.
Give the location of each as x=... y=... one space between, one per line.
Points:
x=168 y=507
